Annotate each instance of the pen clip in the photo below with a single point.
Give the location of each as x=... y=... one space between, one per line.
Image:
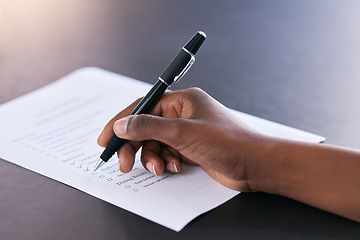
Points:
x=186 y=68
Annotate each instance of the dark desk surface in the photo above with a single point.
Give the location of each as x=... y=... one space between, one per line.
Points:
x=295 y=63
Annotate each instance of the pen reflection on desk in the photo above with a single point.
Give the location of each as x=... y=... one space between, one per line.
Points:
x=173 y=73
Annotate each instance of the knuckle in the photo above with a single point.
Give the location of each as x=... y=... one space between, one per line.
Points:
x=192 y=92
x=195 y=94
x=196 y=90
x=192 y=101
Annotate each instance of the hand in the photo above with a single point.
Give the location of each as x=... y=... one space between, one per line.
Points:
x=187 y=126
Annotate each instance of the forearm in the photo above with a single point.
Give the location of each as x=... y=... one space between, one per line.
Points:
x=320 y=175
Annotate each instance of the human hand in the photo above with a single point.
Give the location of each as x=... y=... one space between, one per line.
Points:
x=187 y=126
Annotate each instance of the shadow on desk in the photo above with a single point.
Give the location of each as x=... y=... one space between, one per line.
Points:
x=254 y=216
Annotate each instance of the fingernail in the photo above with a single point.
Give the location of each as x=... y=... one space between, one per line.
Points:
x=120 y=125
x=172 y=167
x=151 y=167
x=175 y=168
x=120 y=166
x=154 y=170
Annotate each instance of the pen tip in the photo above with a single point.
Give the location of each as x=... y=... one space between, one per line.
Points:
x=99 y=163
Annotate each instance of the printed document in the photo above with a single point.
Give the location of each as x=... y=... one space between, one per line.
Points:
x=53 y=131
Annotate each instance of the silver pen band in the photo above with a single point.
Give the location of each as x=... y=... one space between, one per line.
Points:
x=187 y=51
x=163 y=81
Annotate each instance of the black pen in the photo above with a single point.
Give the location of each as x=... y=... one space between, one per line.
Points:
x=173 y=73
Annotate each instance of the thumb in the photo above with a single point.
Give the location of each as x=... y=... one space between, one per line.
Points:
x=148 y=127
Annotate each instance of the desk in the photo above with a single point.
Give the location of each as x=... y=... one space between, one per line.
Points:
x=295 y=63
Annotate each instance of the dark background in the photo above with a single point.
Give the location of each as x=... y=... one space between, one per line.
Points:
x=293 y=62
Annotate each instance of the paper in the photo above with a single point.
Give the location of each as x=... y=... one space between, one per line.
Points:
x=53 y=131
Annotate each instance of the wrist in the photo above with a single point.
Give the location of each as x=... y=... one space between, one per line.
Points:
x=263 y=166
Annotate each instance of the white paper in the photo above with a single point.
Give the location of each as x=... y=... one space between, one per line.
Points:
x=53 y=131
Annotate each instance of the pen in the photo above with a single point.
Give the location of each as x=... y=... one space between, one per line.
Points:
x=173 y=73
